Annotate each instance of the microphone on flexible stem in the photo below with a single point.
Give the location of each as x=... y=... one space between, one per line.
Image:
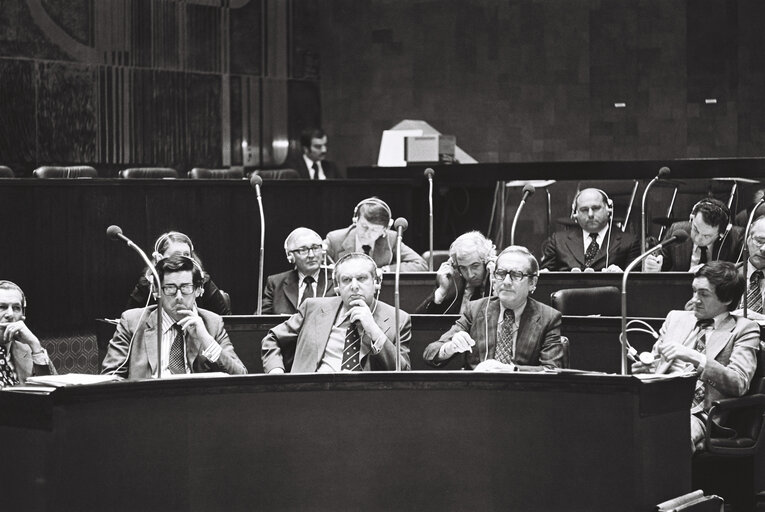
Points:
x=678 y=237
x=663 y=173
x=256 y=181
x=429 y=174
x=115 y=233
x=528 y=191
x=400 y=226
x=746 y=254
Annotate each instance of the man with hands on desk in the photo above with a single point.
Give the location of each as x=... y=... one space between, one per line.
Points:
x=508 y=331
x=193 y=339
x=720 y=348
x=21 y=354
x=353 y=331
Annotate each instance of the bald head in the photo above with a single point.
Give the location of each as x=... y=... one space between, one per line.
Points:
x=591 y=210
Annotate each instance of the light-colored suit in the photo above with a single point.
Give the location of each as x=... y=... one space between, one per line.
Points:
x=140 y=325
x=342 y=241
x=21 y=356
x=307 y=332
x=731 y=351
x=537 y=346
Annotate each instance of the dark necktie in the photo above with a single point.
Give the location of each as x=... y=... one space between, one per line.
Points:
x=308 y=292
x=754 y=297
x=592 y=250
x=700 y=346
x=177 y=363
x=367 y=249
x=352 y=349
x=8 y=375
x=504 y=352
x=702 y=254
x=315 y=168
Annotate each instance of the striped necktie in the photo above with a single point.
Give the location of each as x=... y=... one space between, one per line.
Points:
x=504 y=352
x=352 y=350
x=700 y=346
x=754 y=297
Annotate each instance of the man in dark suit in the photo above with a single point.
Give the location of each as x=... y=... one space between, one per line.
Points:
x=595 y=246
x=193 y=339
x=754 y=270
x=720 y=348
x=312 y=163
x=710 y=239
x=352 y=332
x=285 y=291
x=509 y=331
x=21 y=354
x=463 y=277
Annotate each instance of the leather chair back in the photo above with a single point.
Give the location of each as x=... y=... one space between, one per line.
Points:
x=6 y=172
x=200 y=173
x=73 y=171
x=278 y=174
x=148 y=173
x=600 y=300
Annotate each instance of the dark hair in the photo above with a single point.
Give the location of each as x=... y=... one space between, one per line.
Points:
x=180 y=263
x=375 y=210
x=729 y=284
x=713 y=211
x=310 y=133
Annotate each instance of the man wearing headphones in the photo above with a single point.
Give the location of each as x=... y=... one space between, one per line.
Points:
x=193 y=339
x=351 y=332
x=286 y=291
x=506 y=332
x=21 y=354
x=463 y=277
x=370 y=234
x=595 y=246
x=711 y=238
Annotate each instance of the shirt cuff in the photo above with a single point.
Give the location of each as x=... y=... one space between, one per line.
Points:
x=212 y=353
x=41 y=358
x=377 y=345
x=702 y=365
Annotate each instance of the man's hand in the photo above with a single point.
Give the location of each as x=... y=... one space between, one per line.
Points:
x=638 y=367
x=673 y=351
x=492 y=365
x=361 y=313
x=18 y=331
x=653 y=263
x=194 y=327
x=613 y=268
x=445 y=277
x=460 y=342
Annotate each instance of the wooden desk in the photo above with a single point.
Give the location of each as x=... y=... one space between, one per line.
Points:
x=408 y=441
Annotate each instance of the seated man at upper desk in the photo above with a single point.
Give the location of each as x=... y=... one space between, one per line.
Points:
x=193 y=339
x=286 y=291
x=21 y=355
x=720 y=348
x=463 y=277
x=710 y=239
x=754 y=270
x=594 y=245
x=312 y=164
x=352 y=332
x=506 y=332
x=370 y=234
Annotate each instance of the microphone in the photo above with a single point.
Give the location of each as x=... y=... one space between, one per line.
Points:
x=115 y=233
x=528 y=191
x=662 y=175
x=256 y=181
x=400 y=225
x=679 y=236
x=429 y=175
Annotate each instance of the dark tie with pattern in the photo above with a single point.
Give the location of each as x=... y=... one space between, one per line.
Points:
x=592 y=250
x=177 y=363
x=8 y=375
x=754 y=297
x=315 y=168
x=504 y=352
x=367 y=249
x=308 y=292
x=352 y=349
x=702 y=254
x=700 y=346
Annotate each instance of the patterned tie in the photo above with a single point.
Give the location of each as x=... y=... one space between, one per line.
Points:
x=504 y=352
x=352 y=349
x=754 y=298
x=367 y=249
x=592 y=250
x=308 y=292
x=700 y=346
x=315 y=168
x=702 y=254
x=177 y=363
x=8 y=375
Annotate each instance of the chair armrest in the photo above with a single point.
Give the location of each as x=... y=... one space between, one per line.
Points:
x=731 y=442
x=729 y=404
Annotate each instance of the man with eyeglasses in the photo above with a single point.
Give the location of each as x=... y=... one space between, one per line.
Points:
x=754 y=271
x=370 y=234
x=710 y=239
x=284 y=292
x=193 y=339
x=508 y=331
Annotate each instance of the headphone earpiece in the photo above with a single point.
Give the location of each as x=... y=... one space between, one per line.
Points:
x=608 y=200
x=378 y=202
x=163 y=238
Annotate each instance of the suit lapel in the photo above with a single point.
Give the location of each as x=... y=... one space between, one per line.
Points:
x=607 y=247
x=321 y=327
x=719 y=338
x=384 y=322
x=575 y=245
x=150 y=339
x=22 y=360
x=291 y=287
x=528 y=329
x=491 y=318
x=349 y=242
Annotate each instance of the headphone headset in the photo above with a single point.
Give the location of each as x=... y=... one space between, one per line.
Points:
x=350 y=255
x=17 y=287
x=712 y=203
x=198 y=292
x=288 y=253
x=166 y=237
x=372 y=201
x=608 y=201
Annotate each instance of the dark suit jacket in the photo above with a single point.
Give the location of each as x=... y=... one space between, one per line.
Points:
x=281 y=294
x=564 y=250
x=342 y=241
x=142 y=330
x=306 y=333
x=677 y=257
x=21 y=355
x=537 y=346
x=452 y=303
x=298 y=163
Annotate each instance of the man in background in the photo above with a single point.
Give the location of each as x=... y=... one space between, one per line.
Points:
x=312 y=164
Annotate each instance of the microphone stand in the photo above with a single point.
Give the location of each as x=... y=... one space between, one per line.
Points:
x=746 y=256
x=261 y=259
x=429 y=174
x=528 y=190
x=401 y=225
x=642 y=213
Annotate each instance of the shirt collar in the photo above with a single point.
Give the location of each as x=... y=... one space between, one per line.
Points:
x=309 y=163
x=719 y=319
x=302 y=276
x=167 y=322
x=601 y=235
x=516 y=311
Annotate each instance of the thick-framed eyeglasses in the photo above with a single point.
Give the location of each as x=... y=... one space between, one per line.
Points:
x=516 y=276
x=171 y=289
x=303 y=251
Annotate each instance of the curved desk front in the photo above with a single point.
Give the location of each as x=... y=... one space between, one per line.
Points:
x=383 y=441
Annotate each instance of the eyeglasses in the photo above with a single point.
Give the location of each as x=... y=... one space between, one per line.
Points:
x=516 y=276
x=758 y=241
x=172 y=289
x=303 y=251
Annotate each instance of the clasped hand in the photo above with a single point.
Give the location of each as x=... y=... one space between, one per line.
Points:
x=18 y=331
x=361 y=314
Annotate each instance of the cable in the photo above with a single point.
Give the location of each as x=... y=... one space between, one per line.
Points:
x=132 y=338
